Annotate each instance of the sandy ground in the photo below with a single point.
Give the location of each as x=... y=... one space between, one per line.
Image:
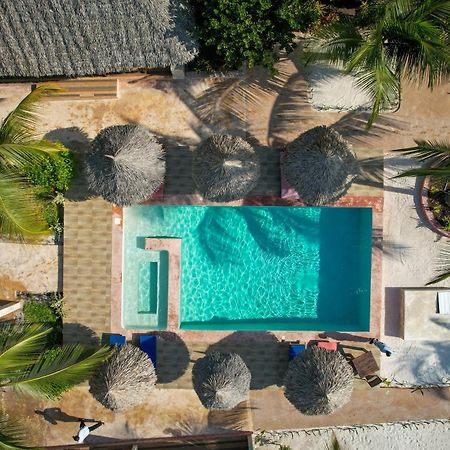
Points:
x=430 y=435
x=411 y=251
x=330 y=89
x=28 y=267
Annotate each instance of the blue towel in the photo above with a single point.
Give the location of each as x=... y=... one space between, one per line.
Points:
x=295 y=349
x=148 y=345
x=116 y=339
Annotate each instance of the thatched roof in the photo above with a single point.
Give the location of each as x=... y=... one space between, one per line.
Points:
x=124 y=380
x=319 y=381
x=225 y=168
x=91 y=37
x=320 y=166
x=221 y=380
x=125 y=164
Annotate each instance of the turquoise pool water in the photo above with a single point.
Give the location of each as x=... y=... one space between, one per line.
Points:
x=255 y=268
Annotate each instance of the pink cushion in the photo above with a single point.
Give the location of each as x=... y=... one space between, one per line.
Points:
x=332 y=346
x=159 y=193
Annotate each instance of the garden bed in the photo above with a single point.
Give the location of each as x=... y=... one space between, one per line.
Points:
x=435 y=204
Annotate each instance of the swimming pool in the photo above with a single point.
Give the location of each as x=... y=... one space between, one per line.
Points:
x=255 y=268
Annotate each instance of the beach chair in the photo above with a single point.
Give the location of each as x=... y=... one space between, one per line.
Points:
x=295 y=350
x=444 y=302
x=116 y=339
x=331 y=346
x=148 y=345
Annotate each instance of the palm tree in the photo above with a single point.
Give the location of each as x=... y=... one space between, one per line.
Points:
x=404 y=39
x=20 y=210
x=27 y=368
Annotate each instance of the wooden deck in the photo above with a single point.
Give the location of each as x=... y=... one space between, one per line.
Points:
x=83 y=89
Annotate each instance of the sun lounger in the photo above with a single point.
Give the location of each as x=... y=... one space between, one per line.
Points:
x=444 y=302
x=295 y=350
x=148 y=345
x=116 y=339
x=331 y=346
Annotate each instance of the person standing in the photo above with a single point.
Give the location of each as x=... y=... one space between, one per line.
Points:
x=381 y=346
x=84 y=430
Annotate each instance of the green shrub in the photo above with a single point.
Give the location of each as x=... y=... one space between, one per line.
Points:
x=38 y=312
x=233 y=31
x=301 y=14
x=46 y=311
x=54 y=173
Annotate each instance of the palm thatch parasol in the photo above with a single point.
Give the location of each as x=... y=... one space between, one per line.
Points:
x=125 y=164
x=125 y=379
x=320 y=165
x=221 y=380
x=225 y=168
x=319 y=381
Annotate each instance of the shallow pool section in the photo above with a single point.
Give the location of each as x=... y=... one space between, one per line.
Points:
x=252 y=268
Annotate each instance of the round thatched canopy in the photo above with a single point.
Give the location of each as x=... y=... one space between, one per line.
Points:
x=319 y=381
x=319 y=165
x=125 y=164
x=125 y=379
x=221 y=380
x=225 y=168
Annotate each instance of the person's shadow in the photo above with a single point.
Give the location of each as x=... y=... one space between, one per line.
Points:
x=55 y=415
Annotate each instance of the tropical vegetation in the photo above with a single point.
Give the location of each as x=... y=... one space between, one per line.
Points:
x=29 y=368
x=388 y=41
x=232 y=32
x=22 y=156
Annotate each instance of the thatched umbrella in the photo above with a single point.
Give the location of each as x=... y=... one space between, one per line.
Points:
x=221 y=380
x=125 y=164
x=319 y=381
x=225 y=168
x=320 y=165
x=125 y=379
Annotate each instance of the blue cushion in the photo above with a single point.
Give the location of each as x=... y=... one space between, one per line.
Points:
x=116 y=339
x=295 y=349
x=148 y=345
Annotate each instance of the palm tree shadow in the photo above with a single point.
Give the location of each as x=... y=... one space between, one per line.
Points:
x=371 y=172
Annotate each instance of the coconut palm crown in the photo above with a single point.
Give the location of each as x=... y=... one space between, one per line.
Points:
x=28 y=369
x=394 y=39
x=125 y=165
x=319 y=381
x=221 y=380
x=125 y=379
x=319 y=165
x=21 y=212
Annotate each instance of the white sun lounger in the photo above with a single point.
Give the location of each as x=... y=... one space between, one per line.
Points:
x=444 y=302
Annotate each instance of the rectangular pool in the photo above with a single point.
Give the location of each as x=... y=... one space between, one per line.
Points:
x=255 y=268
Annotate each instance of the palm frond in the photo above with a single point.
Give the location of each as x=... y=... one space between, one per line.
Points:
x=443 y=172
x=436 y=153
x=381 y=85
x=53 y=374
x=20 y=124
x=20 y=154
x=12 y=435
x=334 y=43
x=426 y=150
x=20 y=209
x=443 y=265
x=20 y=347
